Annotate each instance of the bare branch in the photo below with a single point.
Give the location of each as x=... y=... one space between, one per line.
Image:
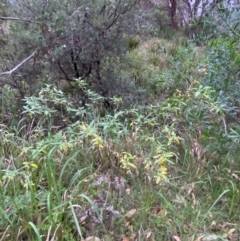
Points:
x=19 y=65
x=18 y=19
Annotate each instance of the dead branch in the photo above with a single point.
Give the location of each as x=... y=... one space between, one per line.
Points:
x=18 y=19
x=19 y=65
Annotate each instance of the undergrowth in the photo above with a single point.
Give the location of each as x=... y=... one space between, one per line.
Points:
x=168 y=170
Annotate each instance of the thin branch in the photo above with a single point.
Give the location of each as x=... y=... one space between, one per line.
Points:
x=18 y=19
x=65 y=74
x=18 y=66
x=79 y=8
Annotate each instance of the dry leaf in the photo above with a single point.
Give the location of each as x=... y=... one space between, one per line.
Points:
x=92 y=238
x=232 y=230
x=195 y=202
x=226 y=224
x=158 y=211
x=199 y=238
x=128 y=190
x=213 y=224
x=130 y=213
x=83 y=218
x=190 y=190
x=236 y=176
x=229 y=234
x=125 y=239
x=176 y=238
x=211 y=237
x=148 y=234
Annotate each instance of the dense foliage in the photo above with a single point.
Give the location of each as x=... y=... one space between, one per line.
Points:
x=116 y=125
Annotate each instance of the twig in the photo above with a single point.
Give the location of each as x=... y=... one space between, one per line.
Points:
x=19 y=65
x=225 y=125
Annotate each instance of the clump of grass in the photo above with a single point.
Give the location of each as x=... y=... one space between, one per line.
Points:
x=133 y=42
